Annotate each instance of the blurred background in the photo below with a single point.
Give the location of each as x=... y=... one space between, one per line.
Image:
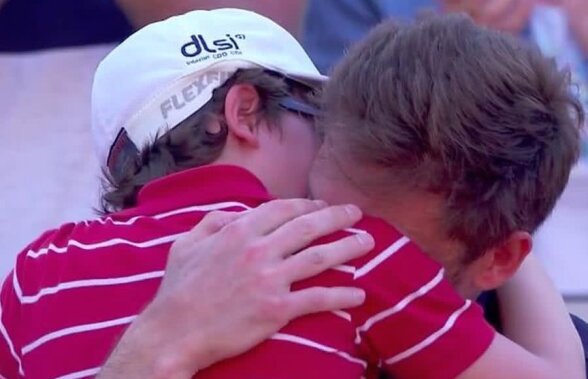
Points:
x=49 y=50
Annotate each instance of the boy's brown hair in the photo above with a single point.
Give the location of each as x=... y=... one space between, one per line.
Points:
x=190 y=144
x=472 y=114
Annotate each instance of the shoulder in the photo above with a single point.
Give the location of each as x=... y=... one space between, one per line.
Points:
x=393 y=253
x=88 y=249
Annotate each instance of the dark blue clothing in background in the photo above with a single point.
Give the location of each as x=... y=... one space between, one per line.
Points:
x=41 y=24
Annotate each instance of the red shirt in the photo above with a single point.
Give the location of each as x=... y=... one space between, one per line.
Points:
x=75 y=289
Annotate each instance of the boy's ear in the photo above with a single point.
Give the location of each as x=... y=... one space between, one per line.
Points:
x=501 y=262
x=242 y=104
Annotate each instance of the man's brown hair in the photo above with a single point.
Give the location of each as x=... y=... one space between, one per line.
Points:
x=190 y=144
x=472 y=114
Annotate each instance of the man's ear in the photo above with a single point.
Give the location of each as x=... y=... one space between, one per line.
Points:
x=500 y=263
x=242 y=104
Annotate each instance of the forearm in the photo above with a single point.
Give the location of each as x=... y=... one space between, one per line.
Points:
x=535 y=317
x=199 y=318
x=287 y=13
x=144 y=353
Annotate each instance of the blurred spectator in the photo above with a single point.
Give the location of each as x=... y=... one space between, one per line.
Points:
x=506 y=15
x=287 y=13
x=332 y=25
x=556 y=27
x=32 y=25
x=27 y=25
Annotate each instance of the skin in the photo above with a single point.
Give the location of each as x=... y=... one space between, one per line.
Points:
x=532 y=354
x=180 y=332
x=577 y=12
x=513 y=15
x=506 y=15
x=266 y=150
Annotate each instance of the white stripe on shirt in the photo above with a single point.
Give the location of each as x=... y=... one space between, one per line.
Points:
x=430 y=339
x=355 y=231
x=108 y=243
x=75 y=330
x=344 y=315
x=318 y=346
x=377 y=260
x=345 y=268
x=29 y=299
x=401 y=304
x=6 y=337
x=81 y=374
x=195 y=208
x=16 y=285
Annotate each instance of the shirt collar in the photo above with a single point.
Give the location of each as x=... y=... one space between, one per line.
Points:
x=198 y=186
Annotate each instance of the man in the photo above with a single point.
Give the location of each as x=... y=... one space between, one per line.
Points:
x=235 y=99
x=235 y=315
x=239 y=103
x=342 y=153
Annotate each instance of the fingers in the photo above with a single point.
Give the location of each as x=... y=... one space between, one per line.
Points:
x=322 y=299
x=210 y=224
x=300 y=232
x=272 y=215
x=317 y=259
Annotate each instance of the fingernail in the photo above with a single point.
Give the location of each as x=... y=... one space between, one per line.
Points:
x=353 y=211
x=358 y=295
x=365 y=239
x=320 y=203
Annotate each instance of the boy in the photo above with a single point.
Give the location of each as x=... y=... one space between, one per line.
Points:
x=213 y=98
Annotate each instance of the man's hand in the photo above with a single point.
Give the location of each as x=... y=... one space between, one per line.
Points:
x=227 y=287
x=506 y=15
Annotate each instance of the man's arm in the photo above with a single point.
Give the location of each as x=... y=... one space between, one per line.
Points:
x=539 y=339
x=244 y=265
x=287 y=13
x=429 y=331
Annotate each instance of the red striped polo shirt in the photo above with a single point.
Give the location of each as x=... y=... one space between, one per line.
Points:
x=75 y=289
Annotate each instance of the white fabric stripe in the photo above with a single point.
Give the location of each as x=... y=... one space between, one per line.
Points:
x=90 y=283
x=318 y=346
x=6 y=337
x=196 y=208
x=381 y=257
x=355 y=231
x=107 y=243
x=16 y=284
x=344 y=268
x=81 y=374
x=430 y=339
x=344 y=315
x=402 y=303
x=75 y=330
x=2 y=377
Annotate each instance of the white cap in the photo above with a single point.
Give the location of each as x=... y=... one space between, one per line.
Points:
x=168 y=70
